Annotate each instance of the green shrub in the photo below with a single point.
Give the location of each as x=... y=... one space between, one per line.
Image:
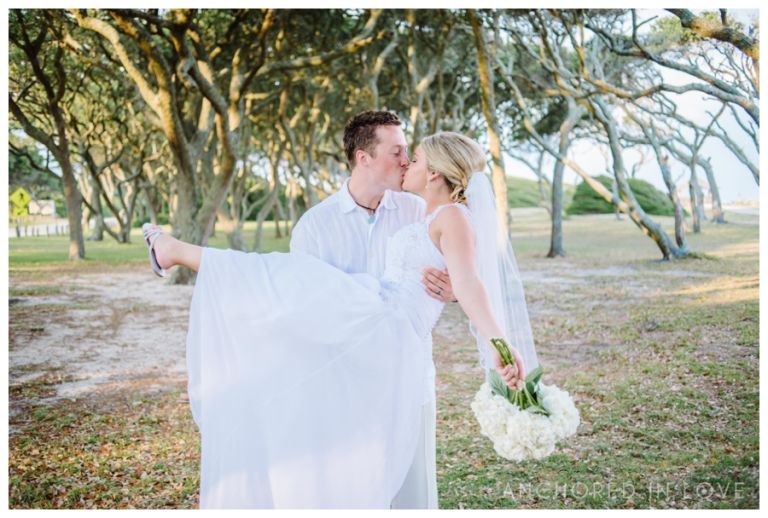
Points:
x=61 y=204
x=162 y=219
x=587 y=201
x=522 y=192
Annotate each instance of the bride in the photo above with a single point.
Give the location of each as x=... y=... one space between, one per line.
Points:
x=302 y=377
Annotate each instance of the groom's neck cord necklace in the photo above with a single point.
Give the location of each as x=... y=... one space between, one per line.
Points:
x=371 y=217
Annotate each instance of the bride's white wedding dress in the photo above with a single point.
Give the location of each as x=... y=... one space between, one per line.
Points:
x=306 y=382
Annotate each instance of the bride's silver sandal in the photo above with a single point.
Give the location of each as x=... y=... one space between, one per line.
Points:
x=151 y=233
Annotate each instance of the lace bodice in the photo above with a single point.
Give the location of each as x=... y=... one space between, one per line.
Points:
x=409 y=251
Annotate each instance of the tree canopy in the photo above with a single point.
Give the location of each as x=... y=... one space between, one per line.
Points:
x=221 y=115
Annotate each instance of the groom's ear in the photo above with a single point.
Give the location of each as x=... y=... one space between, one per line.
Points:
x=361 y=156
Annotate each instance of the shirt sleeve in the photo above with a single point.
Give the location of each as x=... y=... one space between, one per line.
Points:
x=302 y=238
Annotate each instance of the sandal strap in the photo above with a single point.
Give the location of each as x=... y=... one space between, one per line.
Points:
x=151 y=235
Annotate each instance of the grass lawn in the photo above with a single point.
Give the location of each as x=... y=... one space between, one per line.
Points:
x=660 y=357
x=42 y=253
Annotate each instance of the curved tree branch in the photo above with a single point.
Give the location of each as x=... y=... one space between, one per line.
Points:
x=719 y=31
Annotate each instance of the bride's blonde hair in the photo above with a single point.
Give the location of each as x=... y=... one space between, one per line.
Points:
x=455 y=157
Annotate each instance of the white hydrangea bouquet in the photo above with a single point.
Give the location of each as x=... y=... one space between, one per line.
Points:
x=527 y=422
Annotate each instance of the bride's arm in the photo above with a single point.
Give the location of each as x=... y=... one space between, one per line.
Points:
x=457 y=244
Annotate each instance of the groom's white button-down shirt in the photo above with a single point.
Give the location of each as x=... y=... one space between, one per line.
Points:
x=338 y=231
x=341 y=233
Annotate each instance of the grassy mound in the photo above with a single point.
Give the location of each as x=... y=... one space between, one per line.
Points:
x=587 y=201
x=522 y=192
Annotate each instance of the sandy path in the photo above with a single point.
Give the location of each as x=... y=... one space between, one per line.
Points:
x=125 y=328
x=108 y=330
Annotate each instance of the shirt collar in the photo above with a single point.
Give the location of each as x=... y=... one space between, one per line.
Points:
x=348 y=204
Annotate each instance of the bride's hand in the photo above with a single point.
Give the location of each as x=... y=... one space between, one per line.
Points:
x=511 y=374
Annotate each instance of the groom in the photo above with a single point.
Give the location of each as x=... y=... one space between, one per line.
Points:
x=349 y=230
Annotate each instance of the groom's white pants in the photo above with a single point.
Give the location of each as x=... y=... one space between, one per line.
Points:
x=419 y=491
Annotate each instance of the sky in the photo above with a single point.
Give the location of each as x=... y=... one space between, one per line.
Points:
x=735 y=181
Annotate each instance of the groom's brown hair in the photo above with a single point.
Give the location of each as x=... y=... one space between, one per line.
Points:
x=360 y=132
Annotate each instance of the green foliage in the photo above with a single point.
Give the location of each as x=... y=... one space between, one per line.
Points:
x=556 y=113
x=60 y=201
x=522 y=192
x=587 y=201
x=651 y=199
x=435 y=44
x=282 y=196
x=162 y=219
x=667 y=32
x=21 y=173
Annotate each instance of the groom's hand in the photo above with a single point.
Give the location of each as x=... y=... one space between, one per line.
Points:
x=438 y=284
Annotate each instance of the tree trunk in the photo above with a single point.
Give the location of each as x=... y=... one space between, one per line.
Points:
x=680 y=238
x=546 y=198
x=233 y=229
x=489 y=111
x=260 y=217
x=184 y=224
x=556 y=237
x=130 y=208
x=74 y=205
x=98 y=227
x=652 y=136
x=277 y=218
x=59 y=149
x=615 y=193
x=91 y=210
x=636 y=213
x=269 y=205
x=293 y=215
x=151 y=207
x=154 y=201
x=717 y=207
x=693 y=192
x=575 y=112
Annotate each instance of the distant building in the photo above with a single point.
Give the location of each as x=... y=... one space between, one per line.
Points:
x=42 y=208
